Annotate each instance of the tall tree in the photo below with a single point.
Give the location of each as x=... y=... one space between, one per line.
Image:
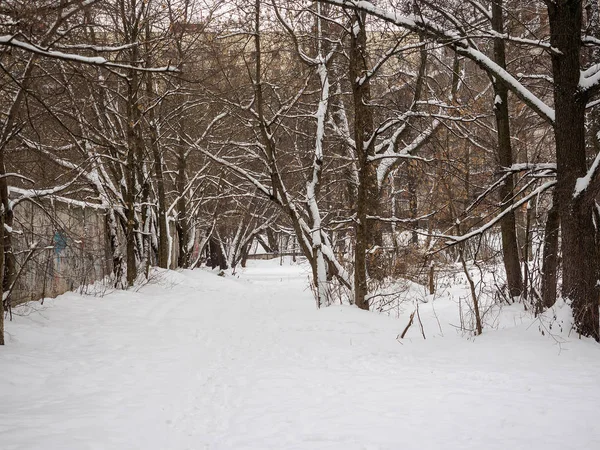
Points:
x=573 y=87
x=510 y=248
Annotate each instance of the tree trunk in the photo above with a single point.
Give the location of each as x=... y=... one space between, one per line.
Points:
x=365 y=233
x=163 y=239
x=413 y=202
x=221 y=256
x=2 y=233
x=526 y=253
x=273 y=243
x=580 y=262
x=134 y=156
x=129 y=196
x=510 y=250
x=183 y=230
x=550 y=257
x=244 y=256
x=8 y=272
x=215 y=251
x=9 y=268
x=146 y=222
x=115 y=249
x=130 y=229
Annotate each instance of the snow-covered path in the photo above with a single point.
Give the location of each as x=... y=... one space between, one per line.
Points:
x=249 y=363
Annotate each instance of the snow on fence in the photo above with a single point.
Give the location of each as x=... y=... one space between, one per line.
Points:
x=71 y=248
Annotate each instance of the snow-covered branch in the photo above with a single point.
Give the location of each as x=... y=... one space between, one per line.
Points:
x=459 y=43
x=452 y=240
x=12 y=41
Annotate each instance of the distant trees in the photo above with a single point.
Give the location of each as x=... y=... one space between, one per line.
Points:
x=84 y=86
x=574 y=82
x=279 y=111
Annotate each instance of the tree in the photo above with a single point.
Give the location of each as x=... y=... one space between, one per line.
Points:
x=268 y=116
x=31 y=35
x=573 y=87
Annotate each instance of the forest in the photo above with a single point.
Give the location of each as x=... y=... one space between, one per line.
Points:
x=380 y=141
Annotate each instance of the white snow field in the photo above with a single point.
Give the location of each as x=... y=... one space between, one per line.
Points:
x=198 y=361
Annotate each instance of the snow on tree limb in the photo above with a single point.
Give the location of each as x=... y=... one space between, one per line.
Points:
x=459 y=43
x=452 y=240
x=583 y=183
x=34 y=194
x=12 y=41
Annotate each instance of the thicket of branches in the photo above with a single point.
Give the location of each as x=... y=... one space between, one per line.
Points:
x=382 y=138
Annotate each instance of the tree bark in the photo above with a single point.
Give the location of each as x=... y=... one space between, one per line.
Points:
x=146 y=222
x=510 y=249
x=413 y=202
x=366 y=234
x=1 y=272
x=131 y=28
x=550 y=257
x=130 y=174
x=163 y=239
x=580 y=260
x=8 y=267
x=183 y=229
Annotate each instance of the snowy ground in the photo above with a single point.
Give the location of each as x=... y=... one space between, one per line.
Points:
x=199 y=361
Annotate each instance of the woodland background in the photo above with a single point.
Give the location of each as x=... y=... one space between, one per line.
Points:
x=382 y=141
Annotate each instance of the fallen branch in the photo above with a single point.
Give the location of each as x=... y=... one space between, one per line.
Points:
x=410 y=322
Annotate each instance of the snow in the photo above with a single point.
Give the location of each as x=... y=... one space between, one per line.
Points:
x=589 y=78
x=312 y=185
x=582 y=183
x=388 y=158
x=25 y=194
x=197 y=361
